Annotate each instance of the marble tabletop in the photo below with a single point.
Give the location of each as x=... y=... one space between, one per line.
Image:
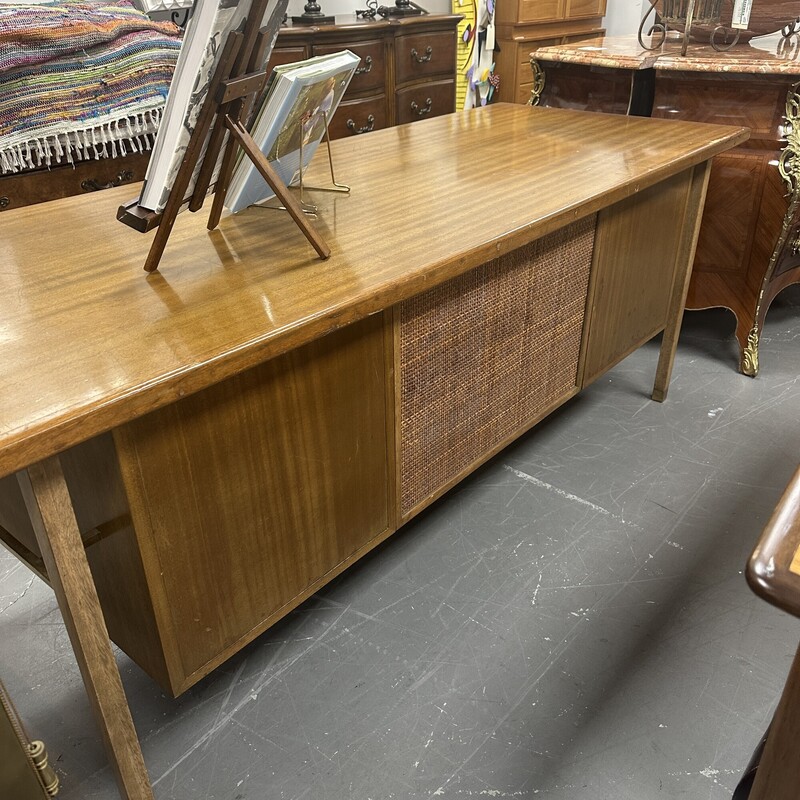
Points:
x=766 y=55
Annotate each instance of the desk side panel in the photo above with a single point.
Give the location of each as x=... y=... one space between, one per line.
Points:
x=636 y=252
x=251 y=494
x=485 y=356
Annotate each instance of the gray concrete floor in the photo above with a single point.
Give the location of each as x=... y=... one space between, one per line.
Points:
x=570 y=623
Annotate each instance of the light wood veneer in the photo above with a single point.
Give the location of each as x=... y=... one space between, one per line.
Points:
x=196 y=451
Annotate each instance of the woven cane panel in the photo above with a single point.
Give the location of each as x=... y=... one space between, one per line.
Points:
x=483 y=354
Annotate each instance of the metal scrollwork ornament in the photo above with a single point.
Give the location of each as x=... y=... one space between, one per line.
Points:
x=789 y=162
x=681 y=15
x=658 y=30
x=538 y=83
x=370 y=11
x=181 y=17
x=750 y=354
x=791 y=28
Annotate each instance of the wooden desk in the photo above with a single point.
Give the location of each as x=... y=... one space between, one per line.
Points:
x=749 y=246
x=235 y=431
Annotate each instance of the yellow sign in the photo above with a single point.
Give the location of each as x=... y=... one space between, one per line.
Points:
x=467 y=39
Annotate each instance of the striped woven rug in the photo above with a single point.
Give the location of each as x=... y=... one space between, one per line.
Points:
x=80 y=80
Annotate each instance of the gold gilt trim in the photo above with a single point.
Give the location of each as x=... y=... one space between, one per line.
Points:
x=538 y=83
x=750 y=354
x=789 y=162
x=47 y=775
x=789 y=169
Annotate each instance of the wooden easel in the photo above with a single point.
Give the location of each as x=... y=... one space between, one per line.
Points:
x=233 y=89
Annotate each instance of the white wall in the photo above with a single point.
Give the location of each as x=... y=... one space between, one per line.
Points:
x=623 y=16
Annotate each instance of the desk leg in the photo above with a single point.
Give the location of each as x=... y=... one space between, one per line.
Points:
x=693 y=216
x=53 y=519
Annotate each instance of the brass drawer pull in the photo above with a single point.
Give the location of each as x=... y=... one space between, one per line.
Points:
x=93 y=186
x=366 y=68
x=366 y=129
x=4 y=202
x=421 y=112
x=422 y=59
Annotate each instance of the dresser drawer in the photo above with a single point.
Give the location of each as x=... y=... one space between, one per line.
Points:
x=756 y=101
x=285 y=55
x=425 y=100
x=585 y=8
x=425 y=54
x=359 y=116
x=65 y=180
x=370 y=73
x=531 y=11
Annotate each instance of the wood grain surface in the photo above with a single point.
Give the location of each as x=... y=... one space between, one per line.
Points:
x=48 y=502
x=248 y=494
x=634 y=273
x=87 y=342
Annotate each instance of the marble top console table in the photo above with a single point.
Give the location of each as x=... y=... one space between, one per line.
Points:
x=749 y=245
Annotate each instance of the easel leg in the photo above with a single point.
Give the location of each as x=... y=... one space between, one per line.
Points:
x=693 y=216
x=53 y=519
x=281 y=192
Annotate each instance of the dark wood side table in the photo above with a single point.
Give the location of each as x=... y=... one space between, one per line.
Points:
x=749 y=246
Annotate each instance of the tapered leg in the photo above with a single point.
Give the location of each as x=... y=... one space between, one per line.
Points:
x=53 y=519
x=683 y=272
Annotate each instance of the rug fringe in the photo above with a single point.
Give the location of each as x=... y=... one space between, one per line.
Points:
x=116 y=137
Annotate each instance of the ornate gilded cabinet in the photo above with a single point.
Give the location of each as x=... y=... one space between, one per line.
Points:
x=407 y=70
x=749 y=244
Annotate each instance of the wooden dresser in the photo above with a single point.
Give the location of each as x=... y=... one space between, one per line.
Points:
x=525 y=25
x=38 y=185
x=407 y=71
x=749 y=245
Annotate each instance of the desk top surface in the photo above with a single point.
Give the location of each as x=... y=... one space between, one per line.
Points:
x=770 y=55
x=88 y=341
